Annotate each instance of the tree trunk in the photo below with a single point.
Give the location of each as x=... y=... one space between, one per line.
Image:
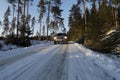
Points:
x=48 y=17
x=28 y=7
x=24 y=24
x=18 y=14
x=13 y=18
x=85 y=22
x=116 y=17
x=40 y=28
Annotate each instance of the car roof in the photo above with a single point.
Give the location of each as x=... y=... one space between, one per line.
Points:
x=61 y=34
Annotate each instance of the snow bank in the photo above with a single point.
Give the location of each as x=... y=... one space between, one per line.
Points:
x=108 y=64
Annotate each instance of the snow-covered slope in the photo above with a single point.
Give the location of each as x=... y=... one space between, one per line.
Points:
x=85 y=64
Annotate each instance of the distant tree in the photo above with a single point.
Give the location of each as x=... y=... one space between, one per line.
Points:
x=32 y=24
x=37 y=35
x=0 y=23
x=28 y=28
x=13 y=25
x=6 y=21
x=43 y=32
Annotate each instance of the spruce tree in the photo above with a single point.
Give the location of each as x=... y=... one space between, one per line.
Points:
x=75 y=23
x=56 y=11
x=32 y=25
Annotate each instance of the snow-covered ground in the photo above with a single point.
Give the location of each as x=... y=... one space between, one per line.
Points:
x=6 y=47
x=88 y=65
x=7 y=52
x=57 y=62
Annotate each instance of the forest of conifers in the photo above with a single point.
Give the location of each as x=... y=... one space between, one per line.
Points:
x=96 y=24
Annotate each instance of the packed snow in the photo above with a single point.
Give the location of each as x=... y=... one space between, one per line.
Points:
x=57 y=62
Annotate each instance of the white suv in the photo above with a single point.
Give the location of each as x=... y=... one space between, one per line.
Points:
x=60 y=38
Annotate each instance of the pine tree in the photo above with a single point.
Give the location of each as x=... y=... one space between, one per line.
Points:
x=42 y=10
x=55 y=9
x=6 y=22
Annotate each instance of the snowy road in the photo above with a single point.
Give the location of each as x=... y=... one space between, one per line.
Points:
x=58 y=62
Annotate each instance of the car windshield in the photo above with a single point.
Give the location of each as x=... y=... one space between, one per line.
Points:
x=61 y=34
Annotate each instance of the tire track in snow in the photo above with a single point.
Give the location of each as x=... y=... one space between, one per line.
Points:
x=12 y=59
x=16 y=69
x=56 y=68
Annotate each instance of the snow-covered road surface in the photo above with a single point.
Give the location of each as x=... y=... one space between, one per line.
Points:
x=58 y=62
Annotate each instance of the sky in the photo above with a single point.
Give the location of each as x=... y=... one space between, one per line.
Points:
x=66 y=6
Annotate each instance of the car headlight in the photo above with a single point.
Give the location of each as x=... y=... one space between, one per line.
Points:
x=55 y=38
x=65 y=37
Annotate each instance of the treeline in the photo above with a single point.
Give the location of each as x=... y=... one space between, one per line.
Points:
x=96 y=24
x=19 y=24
